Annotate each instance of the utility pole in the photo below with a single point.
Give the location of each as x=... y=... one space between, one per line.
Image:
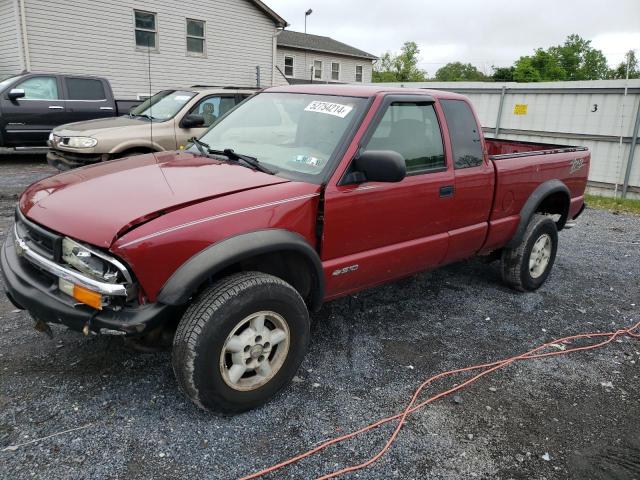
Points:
x=306 y=14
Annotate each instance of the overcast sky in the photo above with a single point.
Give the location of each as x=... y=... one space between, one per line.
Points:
x=484 y=33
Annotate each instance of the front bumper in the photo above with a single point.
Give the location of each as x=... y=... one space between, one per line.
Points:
x=29 y=288
x=63 y=160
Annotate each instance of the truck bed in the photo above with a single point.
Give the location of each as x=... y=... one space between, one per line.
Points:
x=520 y=168
x=500 y=149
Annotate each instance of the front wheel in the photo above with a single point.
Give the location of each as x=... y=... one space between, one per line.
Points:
x=527 y=266
x=240 y=342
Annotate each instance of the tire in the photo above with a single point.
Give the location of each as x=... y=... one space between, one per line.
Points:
x=526 y=267
x=218 y=333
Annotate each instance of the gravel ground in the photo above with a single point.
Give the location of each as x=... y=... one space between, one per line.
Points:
x=368 y=353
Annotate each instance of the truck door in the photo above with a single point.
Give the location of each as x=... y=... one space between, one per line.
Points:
x=29 y=120
x=474 y=181
x=375 y=232
x=87 y=98
x=210 y=108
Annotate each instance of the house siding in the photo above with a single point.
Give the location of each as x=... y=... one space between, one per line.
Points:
x=303 y=59
x=98 y=39
x=10 y=56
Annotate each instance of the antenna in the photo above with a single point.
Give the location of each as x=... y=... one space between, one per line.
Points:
x=150 y=103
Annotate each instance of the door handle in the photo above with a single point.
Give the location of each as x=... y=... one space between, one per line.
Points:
x=446 y=191
x=56 y=107
x=106 y=108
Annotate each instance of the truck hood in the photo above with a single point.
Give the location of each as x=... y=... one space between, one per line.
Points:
x=97 y=204
x=92 y=127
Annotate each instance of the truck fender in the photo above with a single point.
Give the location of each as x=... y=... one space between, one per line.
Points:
x=186 y=280
x=533 y=203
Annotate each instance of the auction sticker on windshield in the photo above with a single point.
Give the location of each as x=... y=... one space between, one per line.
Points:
x=329 y=108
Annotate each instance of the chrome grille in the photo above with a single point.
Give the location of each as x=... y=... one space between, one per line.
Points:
x=45 y=242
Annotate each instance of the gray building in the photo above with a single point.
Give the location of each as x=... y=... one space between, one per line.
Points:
x=303 y=58
x=189 y=42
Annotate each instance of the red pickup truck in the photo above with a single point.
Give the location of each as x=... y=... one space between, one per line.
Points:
x=297 y=196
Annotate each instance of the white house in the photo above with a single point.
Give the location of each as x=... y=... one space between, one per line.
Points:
x=170 y=44
x=305 y=58
x=206 y=42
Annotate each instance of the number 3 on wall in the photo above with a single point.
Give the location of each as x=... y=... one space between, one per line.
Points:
x=595 y=107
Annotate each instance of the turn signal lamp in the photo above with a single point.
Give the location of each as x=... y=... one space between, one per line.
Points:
x=81 y=294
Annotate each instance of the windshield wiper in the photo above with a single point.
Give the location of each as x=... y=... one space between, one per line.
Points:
x=202 y=147
x=250 y=162
x=144 y=115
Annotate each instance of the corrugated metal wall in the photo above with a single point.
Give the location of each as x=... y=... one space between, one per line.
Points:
x=596 y=114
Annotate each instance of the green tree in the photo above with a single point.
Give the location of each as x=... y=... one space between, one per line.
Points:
x=575 y=59
x=621 y=70
x=402 y=67
x=524 y=71
x=458 y=71
x=580 y=60
x=502 y=74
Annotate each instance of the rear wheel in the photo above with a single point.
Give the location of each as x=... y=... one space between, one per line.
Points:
x=240 y=342
x=527 y=266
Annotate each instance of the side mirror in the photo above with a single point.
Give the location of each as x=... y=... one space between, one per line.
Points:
x=381 y=166
x=15 y=93
x=192 y=121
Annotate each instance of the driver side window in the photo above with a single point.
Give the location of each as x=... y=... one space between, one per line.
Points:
x=412 y=130
x=40 y=88
x=212 y=108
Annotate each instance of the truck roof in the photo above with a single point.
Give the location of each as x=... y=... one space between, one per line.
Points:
x=361 y=90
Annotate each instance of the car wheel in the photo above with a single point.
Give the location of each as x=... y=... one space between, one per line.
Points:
x=240 y=342
x=527 y=266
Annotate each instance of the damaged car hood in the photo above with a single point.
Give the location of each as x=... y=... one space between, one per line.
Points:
x=96 y=204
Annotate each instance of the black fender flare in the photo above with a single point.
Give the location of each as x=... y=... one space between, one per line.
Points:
x=531 y=206
x=186 y=280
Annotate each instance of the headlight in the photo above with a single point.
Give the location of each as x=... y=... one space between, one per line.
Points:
x=82 y=142
x=92 y=263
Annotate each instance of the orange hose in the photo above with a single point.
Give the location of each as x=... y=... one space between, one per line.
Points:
x=411 y=407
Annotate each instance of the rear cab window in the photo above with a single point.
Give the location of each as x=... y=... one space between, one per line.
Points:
x=464 y=133
x=85 y=89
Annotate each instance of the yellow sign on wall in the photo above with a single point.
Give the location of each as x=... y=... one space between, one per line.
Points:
x=520 y=109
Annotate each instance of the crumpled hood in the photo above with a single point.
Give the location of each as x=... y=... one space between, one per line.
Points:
x=98 y=203
x=92 y=127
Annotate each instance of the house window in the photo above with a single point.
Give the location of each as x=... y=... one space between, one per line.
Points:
x=195 y=37
x=288 y=66
x=317 y=69
x=358 y=73
x=335 y=71
x=146 y=29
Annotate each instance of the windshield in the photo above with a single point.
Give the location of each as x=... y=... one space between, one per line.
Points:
x=7 y=80
x=288 y=132
x=163 y=105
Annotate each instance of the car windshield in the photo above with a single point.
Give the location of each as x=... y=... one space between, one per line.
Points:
x=163 y=105
x=8 y=80
x=295 y=135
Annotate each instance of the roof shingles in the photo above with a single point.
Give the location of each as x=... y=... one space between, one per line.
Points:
x=317 y=43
